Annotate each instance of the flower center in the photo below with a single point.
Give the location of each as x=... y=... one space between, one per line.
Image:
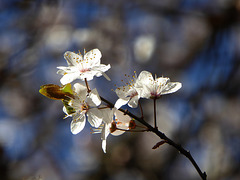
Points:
x=134 y=94
x=84 y=107
x=113 y=127
x=155 y=95
x=84 y=70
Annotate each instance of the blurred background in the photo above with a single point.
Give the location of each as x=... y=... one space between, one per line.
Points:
x=196 y=42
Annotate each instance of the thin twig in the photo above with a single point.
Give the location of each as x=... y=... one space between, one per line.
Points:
x=186 y=153
x=139 y=103
x=88 y=88
x=155 y=113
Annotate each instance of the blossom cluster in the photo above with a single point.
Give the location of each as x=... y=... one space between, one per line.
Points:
x=84 y=104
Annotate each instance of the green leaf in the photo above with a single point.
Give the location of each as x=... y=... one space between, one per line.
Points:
x=67 y=88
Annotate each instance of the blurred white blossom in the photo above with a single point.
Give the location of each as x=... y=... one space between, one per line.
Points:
x=144 y=47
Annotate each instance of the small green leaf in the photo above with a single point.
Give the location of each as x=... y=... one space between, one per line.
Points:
x=67 y=88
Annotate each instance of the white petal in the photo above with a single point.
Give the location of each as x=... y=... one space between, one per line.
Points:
x=121 y=117
x=117 y=133
x=93 y=99
x=77 y=125
x=104 y=145
x=95 y=71
x=67 y=70
x=171 y=87
x=68 y=78
x=123 y=122
x=62 y=70
x=162 y=81
x=145 y=84
x=146 y=92
x=95 y=117
x=81 y=90
x=105 y=131
x=87 y=75
x=133 y=103
x=107 y=115
x=93 y=57
x=120 y=102
x=122 y=92
x=101 y=68
x=106 y=76
x=72 y=58
x=145 y=76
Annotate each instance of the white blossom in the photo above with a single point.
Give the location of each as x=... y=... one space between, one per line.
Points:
x=82 y=105
x=129 y=94
x=154 y=88
x=82 y=67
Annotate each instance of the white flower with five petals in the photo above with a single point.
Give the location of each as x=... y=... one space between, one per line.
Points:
x=82 y=105
x=154 y=88
x=82 y=67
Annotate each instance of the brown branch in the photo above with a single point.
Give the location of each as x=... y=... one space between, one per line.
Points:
x=186 y=153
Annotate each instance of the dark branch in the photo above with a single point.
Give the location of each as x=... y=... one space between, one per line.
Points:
x=186 y=153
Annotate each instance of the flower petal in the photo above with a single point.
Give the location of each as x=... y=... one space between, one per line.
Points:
x=117 y=133
x=81 y=90
x=121 y=117
x=93 y=99
x=68 y=78
x=106 y=76
x=122 y=122
x=105 y=131
x=93 y=57
x=133 y=103
x=78 y=124
x=122 y=92
x=145 y=76
x=145 y=83
x=107 y=115
x=171 y=87
x=104 y=146
x=120 y=102
x=72 y=58
x=87 y=75
x=95 y=117
x=99 y=70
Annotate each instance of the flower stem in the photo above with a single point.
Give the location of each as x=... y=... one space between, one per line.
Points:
x=88 y=88
x=139 y=103
x=131 y=130
x=155 y=113
x=186 y=153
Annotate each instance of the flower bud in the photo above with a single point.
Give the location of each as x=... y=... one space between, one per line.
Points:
x=56 y=92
